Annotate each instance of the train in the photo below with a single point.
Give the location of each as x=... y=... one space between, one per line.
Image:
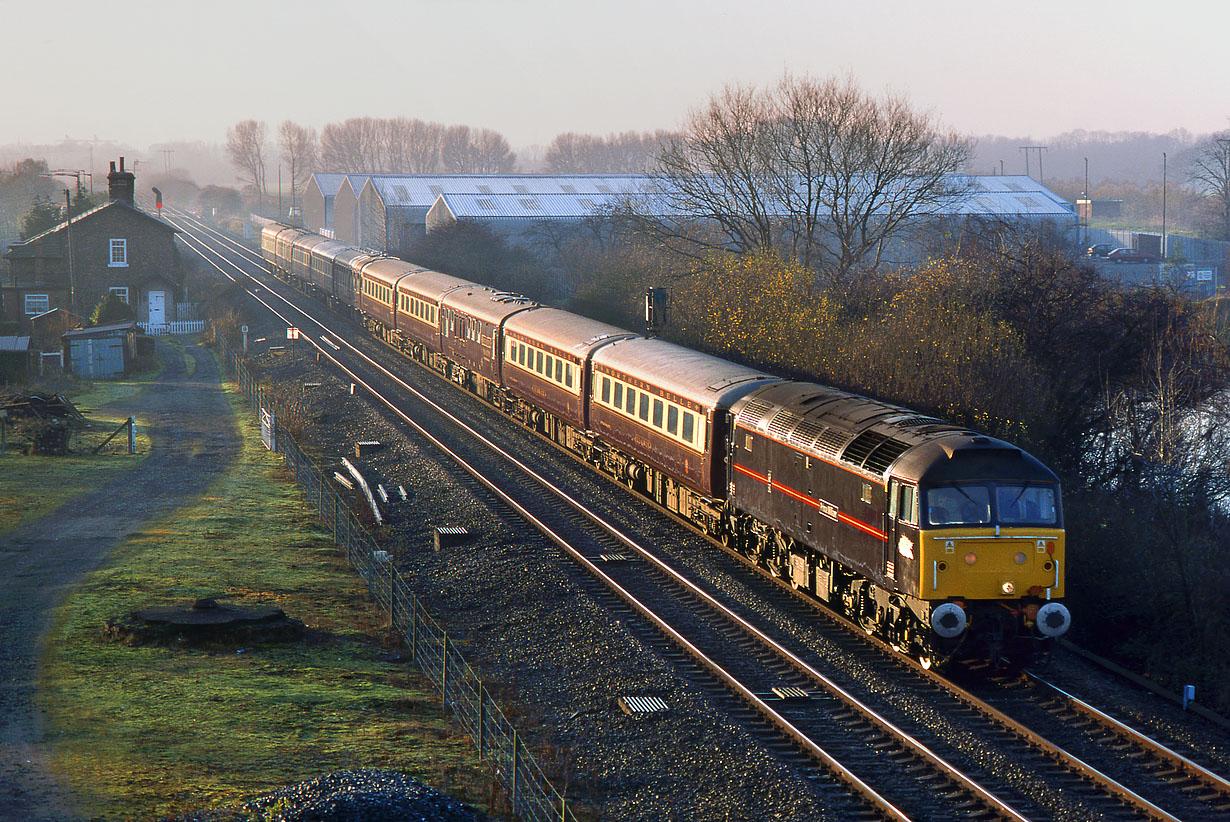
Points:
x=945 y=542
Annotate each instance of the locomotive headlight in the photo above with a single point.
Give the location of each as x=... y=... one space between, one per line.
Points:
x=971 y=558
x=1020 y=558
x=1007 y=587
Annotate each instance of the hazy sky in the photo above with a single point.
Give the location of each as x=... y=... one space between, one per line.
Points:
x=145 y=71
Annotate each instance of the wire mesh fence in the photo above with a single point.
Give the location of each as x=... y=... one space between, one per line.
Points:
x=531 y=795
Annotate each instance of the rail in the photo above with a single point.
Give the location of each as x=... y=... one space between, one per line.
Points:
x=532 y=797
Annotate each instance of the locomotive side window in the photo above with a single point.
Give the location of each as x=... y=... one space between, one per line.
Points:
x=959 y=505
x=907 y=510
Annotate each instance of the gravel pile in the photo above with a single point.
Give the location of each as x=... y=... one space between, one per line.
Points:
x=359 y=796
x=347 y=796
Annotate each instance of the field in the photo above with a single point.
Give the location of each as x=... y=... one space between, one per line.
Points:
x=32 y=486
x=145 y=731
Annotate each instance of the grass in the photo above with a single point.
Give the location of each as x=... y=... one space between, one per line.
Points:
x=146 y=731
x=33 y=486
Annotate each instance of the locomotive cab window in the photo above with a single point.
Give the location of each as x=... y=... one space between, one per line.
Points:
x=959 y=505
x=1026 y=504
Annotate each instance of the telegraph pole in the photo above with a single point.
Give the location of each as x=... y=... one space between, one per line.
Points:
x=1163 y=249
x=72 y=280
x=1038 y=149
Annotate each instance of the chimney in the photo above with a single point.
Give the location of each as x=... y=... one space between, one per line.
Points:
x=122 y=184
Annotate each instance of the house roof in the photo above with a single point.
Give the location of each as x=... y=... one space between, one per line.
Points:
x=85 y=215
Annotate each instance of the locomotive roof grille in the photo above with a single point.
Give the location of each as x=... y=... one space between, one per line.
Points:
x=806 y=433
x=916 y=422
x=782 y=424
x=861 y=447
x=885 y=455
x=831 y=441
x=756 y=411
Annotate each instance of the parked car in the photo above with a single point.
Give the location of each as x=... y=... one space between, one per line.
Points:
x=1130 y=255
x=1100 y=249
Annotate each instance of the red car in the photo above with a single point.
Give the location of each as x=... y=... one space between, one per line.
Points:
x=1130 y=255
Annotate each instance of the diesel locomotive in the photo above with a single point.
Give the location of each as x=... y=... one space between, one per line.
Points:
x=945 y=542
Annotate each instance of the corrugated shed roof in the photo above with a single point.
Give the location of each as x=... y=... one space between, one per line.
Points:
x=422 y=190
x=328 y=184
x=563 y=196
x=14 y=343
x=527 y=206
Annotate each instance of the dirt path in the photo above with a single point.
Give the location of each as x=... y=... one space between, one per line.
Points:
x=193 y=439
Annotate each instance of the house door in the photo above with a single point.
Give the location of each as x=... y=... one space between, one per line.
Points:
x=157 y=308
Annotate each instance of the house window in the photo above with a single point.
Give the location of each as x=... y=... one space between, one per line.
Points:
x=119 y=254
x=37 y=304
x=121 y=292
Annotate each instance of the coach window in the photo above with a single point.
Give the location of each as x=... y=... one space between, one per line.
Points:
x=672 y=420
x=619 y=394
x=521 y=349
x=568 y=375
x=606 y=389
x=538 y=361
x=630 y=406
x=658 y=408
x=550 y=365
x=644 y=409
x=559 y=370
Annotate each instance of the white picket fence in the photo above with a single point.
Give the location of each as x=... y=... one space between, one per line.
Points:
x=179 y=327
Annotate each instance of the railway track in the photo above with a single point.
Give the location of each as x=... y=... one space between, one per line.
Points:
x=892 y=745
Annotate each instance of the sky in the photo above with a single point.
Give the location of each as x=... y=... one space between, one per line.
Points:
x=146 y=72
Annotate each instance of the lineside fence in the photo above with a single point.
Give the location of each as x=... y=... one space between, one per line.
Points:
x=531 y=795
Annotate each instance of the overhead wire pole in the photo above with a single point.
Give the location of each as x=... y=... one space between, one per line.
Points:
x=1038 y=149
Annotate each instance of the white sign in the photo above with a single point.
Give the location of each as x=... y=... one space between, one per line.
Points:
x=243 y=328
x=267 y=429
x=292 y=333
x=1204 y=274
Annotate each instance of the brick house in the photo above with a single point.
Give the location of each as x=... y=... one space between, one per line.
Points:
x=115 y=247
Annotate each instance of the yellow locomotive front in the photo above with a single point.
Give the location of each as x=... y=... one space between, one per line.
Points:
x=992 y=562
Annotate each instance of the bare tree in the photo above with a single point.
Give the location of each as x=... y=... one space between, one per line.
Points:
x=351 y=146
x=630 y=152
x=490 y=153
x=245 y=145
x=1210 y=173
x=298 y=146
x=817 y=169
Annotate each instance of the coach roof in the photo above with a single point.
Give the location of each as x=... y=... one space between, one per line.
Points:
x=710 y=381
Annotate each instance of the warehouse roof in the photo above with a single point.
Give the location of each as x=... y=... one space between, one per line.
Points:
x=422 y=190
x=328 y=184
x=986 y=196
